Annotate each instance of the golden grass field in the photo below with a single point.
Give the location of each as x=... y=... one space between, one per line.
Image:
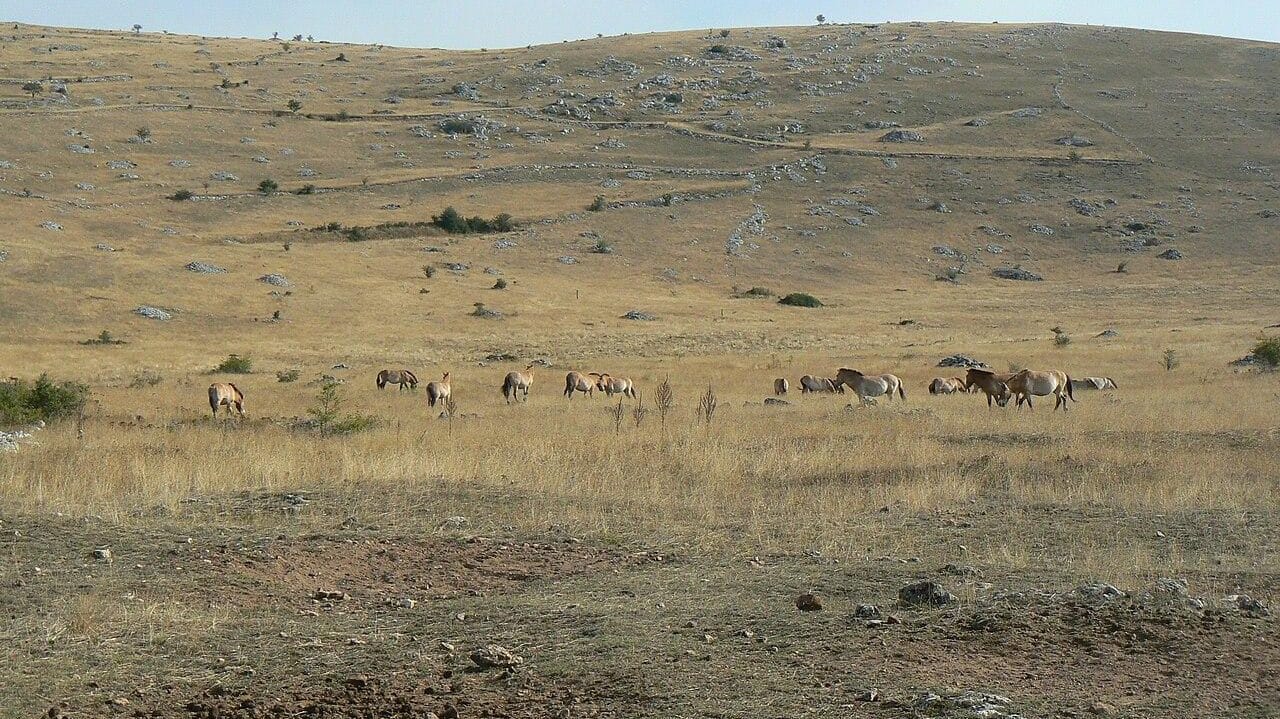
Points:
x=677 y=547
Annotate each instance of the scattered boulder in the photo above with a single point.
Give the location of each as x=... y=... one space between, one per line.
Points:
x=1098 y=592
x=1248 y=605
x=866 y=611
x=1041 y=229
x=204 y=268
x=776 y=402
x=224 y=176
x=275 y=280
x=901 y=136
x=961 y=361
x=1166 y=593
x=51 y=225
x=1027 y=112
x=1074 y=141
x=153 y=313
x=567 y=260
x=978 y=122
x=926 y=593
x=1170 y=254
x=1016 y=273
x=946 y=251
x=1107 y=334
x=493 y=656
x=640 y=316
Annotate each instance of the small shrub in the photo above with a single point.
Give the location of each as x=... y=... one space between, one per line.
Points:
x=800 y=299
x=667 y=199
x=288 y=375
x=306 y=190
x=455 y=223
x=333 y=227
x=104 y=338
x=501 y=284
x=24 y=402
x=1122 y=268
x=756 y=292
x=294 y=105
x=34 y=88
x=951 y=274
x=602 y=248
x=724 y=33
x=429 y=271
x=1169 y=360
x=235 y=364
x=1061 y=339
x=268 y=186
x=598 y=204
x=355 y=234
x=145 y=378
x=182 y=195
x=1267 y=350
x=326 y=414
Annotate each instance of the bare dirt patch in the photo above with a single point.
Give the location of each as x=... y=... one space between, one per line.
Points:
x=373 y=571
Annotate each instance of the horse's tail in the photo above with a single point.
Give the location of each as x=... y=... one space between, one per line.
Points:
x=213 y=400
x=902 y=392
x=1113 y=383
x=382 y=381
x=1070 y=395
x=506 y=388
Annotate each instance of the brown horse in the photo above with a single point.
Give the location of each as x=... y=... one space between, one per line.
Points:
x=992 y=384
x=947 y=385
x=518 y=382
x=579 y=382
x=780 y=386
x=870 y=385
x=225 y=394
x=438 y=391
x=611 y=385
x=1029 y=383
x=402 y=377
x=809 y=383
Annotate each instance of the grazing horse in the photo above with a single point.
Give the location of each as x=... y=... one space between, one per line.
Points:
x=873 y=385
x=225 y=394
x=809 y=383
x=780 y=386
x=947 y=385
x=518 y=382
x=992 y=384
x=579 y=382
x=1029 y=383
x=611 y=385
x=438 y=391
x=1094 y=383
x=402 y=377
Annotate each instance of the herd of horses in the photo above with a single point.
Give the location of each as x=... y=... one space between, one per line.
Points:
x=999 y=387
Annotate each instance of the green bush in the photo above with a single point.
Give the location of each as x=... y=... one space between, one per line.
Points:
x=23 y=402
x=454 y=223
x=501 y=284
x=268 y=186
x=598 y=204
x=104 y=338
x=800 y=299
x=235 y=364
x=1267 y=350
x=306 y=190
x=182 y=195
x=288 y=375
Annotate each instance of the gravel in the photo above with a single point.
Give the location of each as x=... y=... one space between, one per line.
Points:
x=275 y=280
x=204 y=268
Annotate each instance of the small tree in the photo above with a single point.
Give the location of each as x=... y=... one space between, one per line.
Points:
x=294 y=105
x=638 y=412
x=136 y=28
x=268 y=186
x=821 y=19
x=1169 y=360
x=33 y=87
x=598 y=204
x=143 y=133
x=617 y=413
x=327 y=407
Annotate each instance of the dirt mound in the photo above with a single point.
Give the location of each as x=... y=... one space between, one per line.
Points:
x=360 y=695
x=379 y=571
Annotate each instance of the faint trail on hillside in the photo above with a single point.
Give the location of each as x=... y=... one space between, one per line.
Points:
x=1062 y=103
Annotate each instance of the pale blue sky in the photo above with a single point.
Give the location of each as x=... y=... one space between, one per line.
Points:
x=508 y=23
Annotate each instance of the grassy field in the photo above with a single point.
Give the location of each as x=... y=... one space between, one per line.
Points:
x=156 y=562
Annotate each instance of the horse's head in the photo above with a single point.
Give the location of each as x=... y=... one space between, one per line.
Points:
x=1002 y=394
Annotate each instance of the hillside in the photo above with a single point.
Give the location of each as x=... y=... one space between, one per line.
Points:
x=770 y=136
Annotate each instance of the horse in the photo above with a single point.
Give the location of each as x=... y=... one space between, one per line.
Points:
x=402 y=377
x=865 y=385
x=578 y=382
x=809 y=383
x=518 y=382
x=225 y=394
x=1029 y=383
x=991 y=384
x=1094 y=383
x=947 y=385
x=438 y=391
x=611 y=385
x=780 y=386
